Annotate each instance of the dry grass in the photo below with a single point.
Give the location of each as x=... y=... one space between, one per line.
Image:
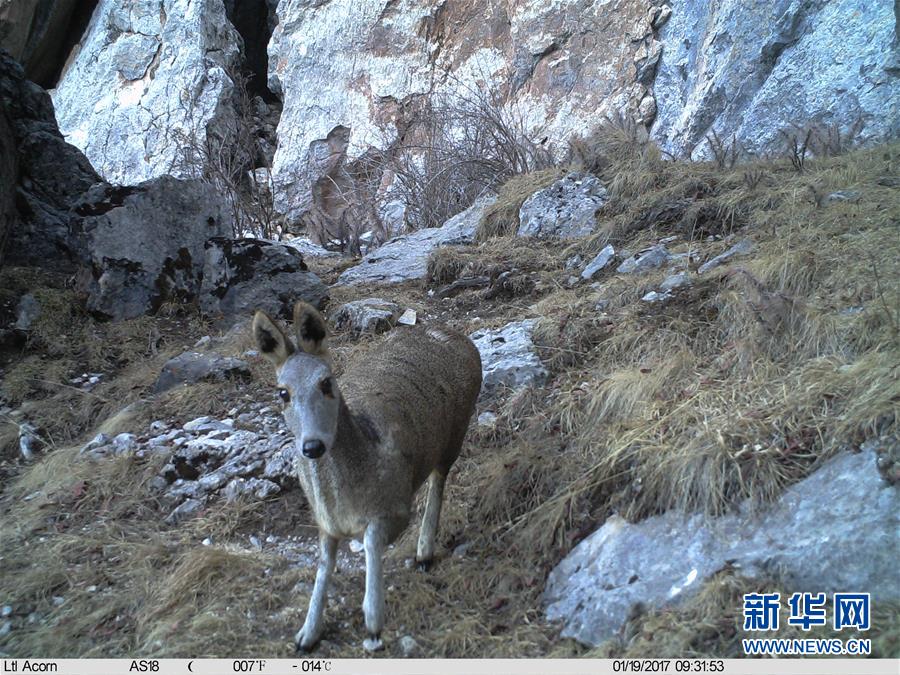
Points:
x=739 y=385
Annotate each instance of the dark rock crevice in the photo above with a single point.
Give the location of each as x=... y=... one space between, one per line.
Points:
x=47 y=30
x=254 y=20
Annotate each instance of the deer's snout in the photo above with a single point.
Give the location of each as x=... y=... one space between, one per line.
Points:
x=313 y=448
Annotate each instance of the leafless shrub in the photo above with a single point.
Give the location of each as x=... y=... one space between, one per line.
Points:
x=725 y=154
x=827 y=140
x=797 y=146
x=457 y=148
x=230 y=158
x=753 y=177
x=820 y=140
x=345 y=205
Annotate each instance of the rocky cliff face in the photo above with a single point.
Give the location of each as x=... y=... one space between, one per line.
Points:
x=752 y=69
x=149 y=75
x=350 y=74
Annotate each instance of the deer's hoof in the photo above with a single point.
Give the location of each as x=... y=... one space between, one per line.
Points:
x=302 y=645
x=424 y=565
x=373 y=643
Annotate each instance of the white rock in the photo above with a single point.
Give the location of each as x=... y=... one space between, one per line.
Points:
x=646 y=260
x=408 y=646
x=600 y=261
x=743 y=247
x=408 y=318
x=508 y=358
x=566 y=209
x=675 y=281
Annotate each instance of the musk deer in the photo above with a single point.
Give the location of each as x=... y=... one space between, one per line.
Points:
x=366 y=443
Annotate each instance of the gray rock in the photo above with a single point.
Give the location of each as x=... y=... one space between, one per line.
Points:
x=408 y=646
x=124 y=443
x=29 y=440
x=743 y=247
x=834 y=531
x=508 y=358
x=709 y=77
x=41 y=176
x=148 y=86
x=842 y=196
x=487 y=419
x=308 y=248
x=27 y=311
x=96 y=442
x=370 y=315
x=243 y=275
x=406 y=258
x=674 y=281
x=259 y=488
x=187 y=509
x=649 y=259
x=191 y=367
x=565 y=209
x=600 y=261
x=654 y=296
x=144 y=245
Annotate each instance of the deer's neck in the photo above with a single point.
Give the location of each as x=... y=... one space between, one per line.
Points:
x=332 y=481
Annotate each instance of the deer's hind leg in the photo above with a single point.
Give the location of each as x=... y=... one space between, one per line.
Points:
x=435 y=500
x=373 y=603
x=428 y=531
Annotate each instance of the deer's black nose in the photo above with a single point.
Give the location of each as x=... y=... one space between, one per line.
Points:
x=313 y=449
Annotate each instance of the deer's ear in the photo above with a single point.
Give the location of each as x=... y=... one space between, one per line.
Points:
x=272 y=341
x=310 y=328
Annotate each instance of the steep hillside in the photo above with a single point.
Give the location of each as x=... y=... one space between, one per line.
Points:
x=672 y=377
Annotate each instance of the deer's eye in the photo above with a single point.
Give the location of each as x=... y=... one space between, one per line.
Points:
x=284 y=395
x=326 y=386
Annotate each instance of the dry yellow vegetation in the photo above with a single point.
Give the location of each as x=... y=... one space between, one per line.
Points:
x=739 y=385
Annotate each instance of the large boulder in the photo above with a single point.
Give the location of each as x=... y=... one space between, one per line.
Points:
x=145 y=245
x=243 y=275
x=834 y=531
x=46 y=174
x=711 y=77
x=508 y=357
x=406 y=258
x=149 y=84
x=566 y=209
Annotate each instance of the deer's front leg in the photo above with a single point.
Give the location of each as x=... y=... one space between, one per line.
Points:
x=373 y=604
x=309 y=634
